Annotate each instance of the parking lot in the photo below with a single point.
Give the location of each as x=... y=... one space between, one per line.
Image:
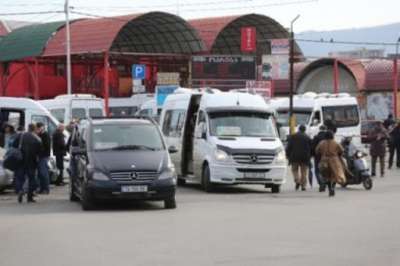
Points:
x=244 y=225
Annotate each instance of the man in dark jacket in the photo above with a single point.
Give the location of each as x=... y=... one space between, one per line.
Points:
x=316 y=140
x=299 y=154
x=330 y=125
x=378 y=148
x=59 y=151
x=395 y=139
x=31 y=148
x=43 y=170
x=389 y=122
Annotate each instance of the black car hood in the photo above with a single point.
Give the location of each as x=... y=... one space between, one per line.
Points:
x=115 y=161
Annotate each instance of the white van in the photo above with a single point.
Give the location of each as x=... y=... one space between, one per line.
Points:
x=24 y=111
x=75 y=106
x=128 y=105
x=311 y=110
x=223 y=138
x=150 y=109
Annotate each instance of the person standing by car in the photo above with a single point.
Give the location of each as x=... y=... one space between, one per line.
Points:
x=43 y=170
x=378 y=148
x=30 y=148
x=299 y=154
x=395 y=139
x=316 y=140
x=9 y=136
x=59 y=151
x=330 y=165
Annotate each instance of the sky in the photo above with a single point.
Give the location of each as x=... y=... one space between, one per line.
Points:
x=316 y=15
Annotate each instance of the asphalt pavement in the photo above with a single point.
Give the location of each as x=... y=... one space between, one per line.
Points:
x=244 y=225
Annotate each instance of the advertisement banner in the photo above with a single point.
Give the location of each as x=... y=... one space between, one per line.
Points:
x=162 y=92
x=248 y=39
x=224 y=67
x=275 y=67
x=280 y=46
x=168 y=78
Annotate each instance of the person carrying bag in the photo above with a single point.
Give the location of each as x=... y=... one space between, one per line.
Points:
x=14 y=158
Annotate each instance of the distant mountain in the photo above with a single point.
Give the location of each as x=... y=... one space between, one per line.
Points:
x=385 y=33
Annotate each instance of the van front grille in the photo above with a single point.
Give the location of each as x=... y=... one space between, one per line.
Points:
x=130 y=176
x=254 y=158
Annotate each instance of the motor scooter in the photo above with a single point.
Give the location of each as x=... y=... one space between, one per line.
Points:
x=357 y=166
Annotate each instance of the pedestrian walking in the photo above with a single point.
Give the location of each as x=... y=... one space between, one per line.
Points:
x=317 y=158
x=30 y=147
x=299 y=155
x=330 y=165
x=394 y=147
x=59 y=151
x=43 y=168
x=378 y=148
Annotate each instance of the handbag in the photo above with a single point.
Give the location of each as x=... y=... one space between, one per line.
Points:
x=14 y=157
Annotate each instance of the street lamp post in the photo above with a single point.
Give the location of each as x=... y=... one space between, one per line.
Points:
x=395 y=79
x=291 y=61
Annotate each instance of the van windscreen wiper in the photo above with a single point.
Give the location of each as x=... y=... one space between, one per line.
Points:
x=133 y=147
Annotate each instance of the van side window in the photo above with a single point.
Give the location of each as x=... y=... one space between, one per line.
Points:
x=317 y=117
x=13 y=117
x=173 y=123
x=78 y=113
x=59 y=114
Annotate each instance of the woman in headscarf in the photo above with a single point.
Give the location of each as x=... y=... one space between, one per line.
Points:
x=331 y=166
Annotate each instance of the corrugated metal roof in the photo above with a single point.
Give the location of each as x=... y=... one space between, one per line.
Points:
x=222 y=35
x=27 y=41
x=379 y=75
x=154 y=32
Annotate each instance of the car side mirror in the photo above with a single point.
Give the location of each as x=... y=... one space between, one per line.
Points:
x=172 y=149
x=76 y=151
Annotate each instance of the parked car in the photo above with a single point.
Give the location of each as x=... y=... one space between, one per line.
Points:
x=368 y=126
x=114 y=158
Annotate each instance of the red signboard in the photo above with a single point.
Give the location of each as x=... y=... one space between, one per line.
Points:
x=249 y=39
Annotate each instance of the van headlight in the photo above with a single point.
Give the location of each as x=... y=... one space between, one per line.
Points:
x=99 y=176
x=168 y=173
x=220 y=155
x=280 y=156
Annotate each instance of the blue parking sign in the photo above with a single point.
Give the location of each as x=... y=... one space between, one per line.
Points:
x=138 y=71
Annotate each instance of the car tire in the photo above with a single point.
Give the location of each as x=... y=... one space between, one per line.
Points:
x=275 y=189
x=87 y=201
x=181 y=181
x=170 y=203
x=205 y=179
x=72 y=194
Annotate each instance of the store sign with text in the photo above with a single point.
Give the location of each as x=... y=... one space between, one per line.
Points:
x=280 y=46
x=248 y=39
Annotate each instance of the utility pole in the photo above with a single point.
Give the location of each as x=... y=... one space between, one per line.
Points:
x=292 y=122
x=395 y=79
x=68 y=46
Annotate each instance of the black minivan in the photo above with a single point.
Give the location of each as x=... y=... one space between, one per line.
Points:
x=120 y=158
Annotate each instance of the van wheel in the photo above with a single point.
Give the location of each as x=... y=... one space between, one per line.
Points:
x=87 y=201
x=72 y=194
x=181 y=181
x=170 y=203
x=205 y=179
x=275 y=189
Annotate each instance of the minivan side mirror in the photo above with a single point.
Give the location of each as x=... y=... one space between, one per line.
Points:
x=78 y=151
x=172 y=149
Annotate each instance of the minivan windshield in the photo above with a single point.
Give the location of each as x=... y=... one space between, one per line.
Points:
x=126 y=137
x=302 y=117
x=241 y=124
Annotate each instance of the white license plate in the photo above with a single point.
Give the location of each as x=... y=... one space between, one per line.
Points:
x=254 y=175
x=133 y=189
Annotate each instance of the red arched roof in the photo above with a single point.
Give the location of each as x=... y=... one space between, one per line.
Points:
x=143 y=33
x=221 y=35
x=379 y=74
x=354 y=67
